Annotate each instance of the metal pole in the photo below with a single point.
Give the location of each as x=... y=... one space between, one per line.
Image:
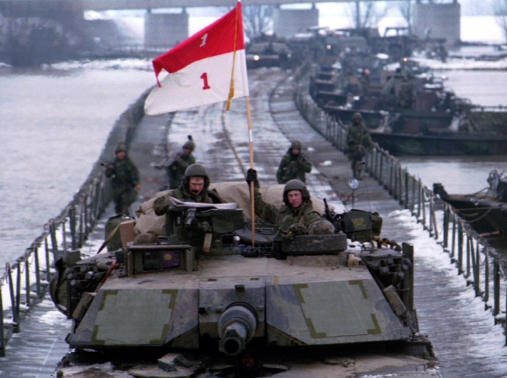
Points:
x=496 y=287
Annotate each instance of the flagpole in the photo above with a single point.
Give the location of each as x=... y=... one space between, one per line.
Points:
x=250 y=140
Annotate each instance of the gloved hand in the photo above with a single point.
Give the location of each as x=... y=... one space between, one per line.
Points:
x=251 y=176
x=301 y=158
x=297 y=229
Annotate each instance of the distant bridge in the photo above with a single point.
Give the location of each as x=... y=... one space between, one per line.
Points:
x=167 y=29
x=151 y=4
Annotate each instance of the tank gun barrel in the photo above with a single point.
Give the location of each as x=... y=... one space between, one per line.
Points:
x=236 y=328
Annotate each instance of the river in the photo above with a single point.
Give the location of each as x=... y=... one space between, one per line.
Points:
x=54 y=123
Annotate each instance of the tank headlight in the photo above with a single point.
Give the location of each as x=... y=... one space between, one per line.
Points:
x=256 y=57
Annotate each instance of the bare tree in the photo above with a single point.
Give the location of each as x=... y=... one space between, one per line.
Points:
x=500 y=10
x=257 y=19
x=366 y=14
x=405 y=9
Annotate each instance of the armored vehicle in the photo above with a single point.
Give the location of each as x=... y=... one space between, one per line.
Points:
x=211 y=298
x=485 y=210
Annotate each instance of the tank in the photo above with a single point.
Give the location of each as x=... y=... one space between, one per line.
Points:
x=210 y=298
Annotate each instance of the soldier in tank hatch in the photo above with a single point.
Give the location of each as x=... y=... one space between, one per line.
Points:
x=296 y=216
x=358 y=143
x=125 y=180
x=293 y=165
x=193 y=188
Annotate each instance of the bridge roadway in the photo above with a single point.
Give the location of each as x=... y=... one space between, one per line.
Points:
x=464 y=338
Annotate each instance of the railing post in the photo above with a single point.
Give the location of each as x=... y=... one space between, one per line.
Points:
x=46 y=249
x=445 y=226
x=2 y=329
x=37 y=270
x=486 y=280
x=477 y=273
x=15 y=318
x=460 y=248
x=496 y=287
x=27 y=279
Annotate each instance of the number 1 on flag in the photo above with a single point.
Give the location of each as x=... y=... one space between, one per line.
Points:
x=204 y=78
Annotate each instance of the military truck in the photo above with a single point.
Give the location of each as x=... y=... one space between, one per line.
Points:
x=211 y=297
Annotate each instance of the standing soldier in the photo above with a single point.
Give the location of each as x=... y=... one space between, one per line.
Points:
x=358 y=143
x=176 y=167
x=293 y=165
x=124 y=180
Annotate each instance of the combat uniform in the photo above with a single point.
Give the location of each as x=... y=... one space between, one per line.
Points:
x=358 y=143
x=176 y=169
x=290 y=221
x=284 y=216
x=293 y=166
x=124 y=178
x=162 y=204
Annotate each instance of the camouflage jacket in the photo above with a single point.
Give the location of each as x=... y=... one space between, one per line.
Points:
x=293 y=167
x=284 y=216
x=176 y=170
x=162 y=204
x=124 y=174
x=358 y=135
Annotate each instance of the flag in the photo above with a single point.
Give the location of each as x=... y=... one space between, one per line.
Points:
x=208 y=67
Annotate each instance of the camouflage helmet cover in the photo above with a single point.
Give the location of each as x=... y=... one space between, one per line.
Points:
x=357 y=115
x=295 y=184
x=296 y=145
x=189 y=144
x=120 y=148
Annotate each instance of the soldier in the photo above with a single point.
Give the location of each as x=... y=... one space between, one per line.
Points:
x=406 y=94
x=297 y=216
x=193 y=188
x=181 y=161
x=293 y=165
x=124 y=180
x=365 y=81
x=358 y=143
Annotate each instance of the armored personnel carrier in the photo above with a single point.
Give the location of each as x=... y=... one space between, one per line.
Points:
x=211 y=298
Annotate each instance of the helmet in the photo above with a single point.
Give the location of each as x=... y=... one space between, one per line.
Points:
x=357 y=116
x=189 y=144
x=121 y=148
x=295 y=184
x=296 y=145
x=196 y=170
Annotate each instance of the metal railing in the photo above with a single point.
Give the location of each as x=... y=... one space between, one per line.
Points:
x=479 y=264
x=25 y=282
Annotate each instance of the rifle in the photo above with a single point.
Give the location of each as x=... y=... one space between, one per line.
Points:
x=108 y=165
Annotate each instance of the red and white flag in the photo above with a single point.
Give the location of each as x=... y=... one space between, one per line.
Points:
x=208 y=67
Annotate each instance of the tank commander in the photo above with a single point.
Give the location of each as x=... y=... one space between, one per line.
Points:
x=193 y=188
x=293 y=165
x=296 y=216
x=124 y=180
x=358 y=143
